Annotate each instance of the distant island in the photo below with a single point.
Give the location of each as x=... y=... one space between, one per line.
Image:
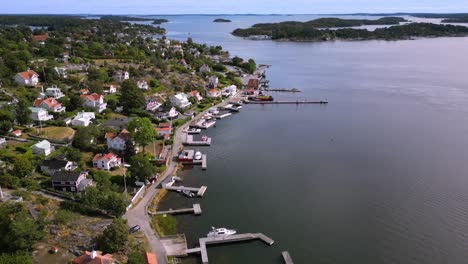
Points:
x=222 y=20
x=319 y=30
x=463 y=19
x=159 y=21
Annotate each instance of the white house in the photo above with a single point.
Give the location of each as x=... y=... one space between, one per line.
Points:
x=54 y=92
x=109 y=89
x=118 y=141
x=195 y=94
x=120 y=76
x=70 y=181
x=42 y=148
x=143 y=85
x=27 y=78
x=213 y=93
x=229 y=91
x=61 y=72
x=180 y=100
x=213 y=81
x=50 y=104
x=95 y=101
x=83 y=119
x=49 y=167
x=163 y=129
x=152 y=105
x=106 y=161
x=40 y=114
x=204 y=69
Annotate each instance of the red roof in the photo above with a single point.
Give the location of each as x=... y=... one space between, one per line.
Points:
x=158 y=129
x=194 y=93
x=28 y=74
x=253 y=83
x=124 y=134
x=151 y=258
x=98 y=259
x=17 y=132
x=92 y=97
x=213 y=91
x=41 y=37
x=107 y=156
x=50 y=102
x=164 y=125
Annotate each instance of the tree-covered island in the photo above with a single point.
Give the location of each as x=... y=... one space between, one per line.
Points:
x=222 y=20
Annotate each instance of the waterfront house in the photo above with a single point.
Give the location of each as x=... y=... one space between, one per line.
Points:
x=54 y=92
x=229 y=91
x=204 y=69
x=143 y=85
x=213 y=81
x=195 y=94
x=94 y=257
x=40 y=114
x=49 y=167
x=50 y=104
x=17 y=133
x=83 y=119
x=27 y=78
x=249 y=91
x=106 y=161
x=152 y=105
x=70 y=181
x=213 y=93
x=164 y=129
x=167 y=112
x=109 y=89
x=118 y=141
x=95 y=101
x=180 y=100
x=120 y=76
x=42 y=148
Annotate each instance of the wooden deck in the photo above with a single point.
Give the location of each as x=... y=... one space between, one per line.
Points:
x=196 y=209
x=200 y=191
x=287 y=258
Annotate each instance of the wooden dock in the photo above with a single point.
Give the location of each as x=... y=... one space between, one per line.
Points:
x=204 y=242
x=221 y=116
x=286 y=102
x=190 y=142
x=196 y=209
x=204 y=164
x=287 y=258
x=199 y=191
x=293 y=90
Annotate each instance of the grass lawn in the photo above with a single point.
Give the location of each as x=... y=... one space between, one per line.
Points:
x=154 y=149
x=55 y=133
x=115 y=115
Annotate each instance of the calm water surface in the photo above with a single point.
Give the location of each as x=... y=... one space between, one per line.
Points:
x=377 y=176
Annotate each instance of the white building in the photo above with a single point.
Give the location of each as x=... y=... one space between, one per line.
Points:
x=95 y=101
x=83 y=119
x=109 y=89
x=40 y=114
x=61 y=72
x=106 y=161
x=42 y=148
x=54 y=92
x=180 y=100
x=50 y=104
x=229 y=91
x=120 y=76
x=152 y=105
x=213 y=81
x=195 y=94
x=118 y=141
x=27 y=78
x=143 y=85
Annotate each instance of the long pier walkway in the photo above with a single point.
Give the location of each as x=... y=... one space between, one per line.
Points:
x=196 y=209
x=228 y=239
x=286 y=102
x=199 y=191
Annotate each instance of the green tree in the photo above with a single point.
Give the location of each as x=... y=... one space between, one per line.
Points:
x=132 y=97
x=252 y=66
x=141 y=168
x=136 y=257
x=5 y=126
x=96 y=87
x=73 y=154
x=20 y=257
x=115 y=203
x=142 y=131
x=23 y=113
x=115 y=236
x=22 y=166
x=85 y=136
x=74 y=102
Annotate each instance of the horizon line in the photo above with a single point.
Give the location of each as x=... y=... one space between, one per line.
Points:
x=234 y=14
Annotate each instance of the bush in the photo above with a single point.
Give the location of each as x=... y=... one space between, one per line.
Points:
x=167 y=224
x=63 y=217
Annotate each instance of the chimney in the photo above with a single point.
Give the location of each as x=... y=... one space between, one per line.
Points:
x=93 y=254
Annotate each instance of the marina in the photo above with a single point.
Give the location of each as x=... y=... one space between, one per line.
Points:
x=192 y=157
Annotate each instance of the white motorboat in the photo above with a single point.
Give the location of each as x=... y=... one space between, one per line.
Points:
x=221 y=232
x=198 y=155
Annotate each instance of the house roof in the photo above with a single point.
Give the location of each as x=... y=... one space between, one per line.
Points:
x=92 y=97
x=151 y=258
x=55 y=164
x=164 y=125
x=50 y=102
x=44 y=144
x=253 y=83
x=27 y=74
x=17 y=132
x=66 y=176
x=213 y=91
x=107 y=156
x=43 y=37
x=194 y=93
x=158 y=129
x=124 y=134
x=99 y=259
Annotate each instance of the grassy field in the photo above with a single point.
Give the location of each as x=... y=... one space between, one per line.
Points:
x=55 y=133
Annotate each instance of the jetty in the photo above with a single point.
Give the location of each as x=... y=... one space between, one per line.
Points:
x=196 y=209
x=287 y=258
x=189 y=141
x=286 y=102
x=199 y=191
x=204 y=242
x=233 y=107
x=222 y=115
x=293 y=90
x=203 y=123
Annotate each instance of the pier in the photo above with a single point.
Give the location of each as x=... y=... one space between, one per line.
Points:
x=203 y=124
x=286 y=102
x=204 y=164
x=199 y=191
x=226 y=239
x=223 y=115
x=190 y=142
x=196 y=209
x=287 y=258
x=293 y=90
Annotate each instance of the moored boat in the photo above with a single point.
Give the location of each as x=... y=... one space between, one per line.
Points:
x=221 y=232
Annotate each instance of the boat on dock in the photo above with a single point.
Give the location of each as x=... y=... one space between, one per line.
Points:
x=221 y=232
x=233 y=107
x=188 y=193
x=192 y=131
x=261 y=98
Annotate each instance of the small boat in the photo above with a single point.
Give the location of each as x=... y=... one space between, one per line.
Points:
x=221 y=232
x=188 y=193
x=192 y=131
x=213 y=111
x=204 y=138
x=198 y=155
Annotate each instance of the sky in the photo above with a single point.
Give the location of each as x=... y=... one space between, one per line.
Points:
x=229 y=6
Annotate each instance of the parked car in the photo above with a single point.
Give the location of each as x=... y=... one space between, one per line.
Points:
x=134 y=229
